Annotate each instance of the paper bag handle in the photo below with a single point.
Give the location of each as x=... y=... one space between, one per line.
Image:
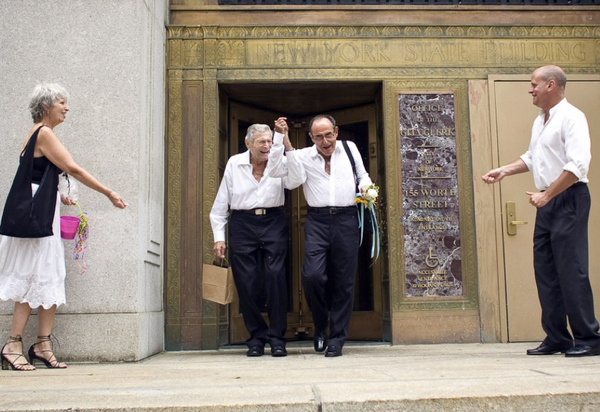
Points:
x=220 y=264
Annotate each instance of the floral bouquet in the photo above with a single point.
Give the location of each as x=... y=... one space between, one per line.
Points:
x=81 y=236
x=368 y=201
x=69 y=189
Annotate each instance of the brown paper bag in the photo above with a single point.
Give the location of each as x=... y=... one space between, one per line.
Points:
x=217 y=284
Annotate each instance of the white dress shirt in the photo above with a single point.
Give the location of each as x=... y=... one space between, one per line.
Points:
x=239 y=190
x=562 y=143
x=307 y=167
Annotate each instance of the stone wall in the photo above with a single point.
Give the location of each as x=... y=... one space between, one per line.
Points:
x=109 y=55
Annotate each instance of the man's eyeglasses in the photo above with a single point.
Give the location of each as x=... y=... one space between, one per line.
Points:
x=327 y=136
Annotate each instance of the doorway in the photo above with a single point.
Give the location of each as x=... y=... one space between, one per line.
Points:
x=355 y=108
x=514 y=117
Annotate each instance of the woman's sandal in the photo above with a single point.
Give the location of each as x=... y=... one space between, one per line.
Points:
x=15 y=366
x=51 y=361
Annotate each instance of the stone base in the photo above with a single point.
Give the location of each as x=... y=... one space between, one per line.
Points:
x=435 y=327
x=100 y=337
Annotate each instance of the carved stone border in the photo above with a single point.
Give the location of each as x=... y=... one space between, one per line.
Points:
x=478 y=32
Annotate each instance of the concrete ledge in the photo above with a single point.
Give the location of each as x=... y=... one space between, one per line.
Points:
x=449 y=377
x=100 y=337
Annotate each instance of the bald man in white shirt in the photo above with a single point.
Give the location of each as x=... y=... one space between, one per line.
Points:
x=258 y=234
x=559 y=155
x=331 y=232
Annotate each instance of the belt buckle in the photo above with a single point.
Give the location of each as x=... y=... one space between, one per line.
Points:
x=333 y=210
x=260 y=212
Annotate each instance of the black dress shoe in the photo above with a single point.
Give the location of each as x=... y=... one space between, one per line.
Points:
x=320 y=341
x=545 y=349
x=583 y=350
x=278 y=351
x=333 y=351
x=256 y=351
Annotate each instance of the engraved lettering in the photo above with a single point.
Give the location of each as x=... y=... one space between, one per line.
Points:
x=578 y=51
x=349 y=52
x=264 y=52
x=430 y=192
x=299 y=53
x=331 y=51
x=416 y=52
x=514 y=52
x=381 y=52
x=412 y=53
x=279 y=53
x=368 y=53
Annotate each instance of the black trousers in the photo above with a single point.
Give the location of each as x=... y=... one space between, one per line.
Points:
x=253 y=241
x=561 y=268
x=329 y=270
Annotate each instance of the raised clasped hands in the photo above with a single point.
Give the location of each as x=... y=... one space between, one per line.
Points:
x=281 y=125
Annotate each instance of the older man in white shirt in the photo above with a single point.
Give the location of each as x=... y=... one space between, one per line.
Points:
x=559 y=157
x=258 y=234
x=331 y=230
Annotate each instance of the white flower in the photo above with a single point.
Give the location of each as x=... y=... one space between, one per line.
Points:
x=371 y=194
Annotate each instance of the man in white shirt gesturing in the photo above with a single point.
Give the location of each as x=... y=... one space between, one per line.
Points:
x=559 y=156
x=258 y=233
x=331 y=232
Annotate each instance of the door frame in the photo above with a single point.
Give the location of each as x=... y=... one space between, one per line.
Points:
x=494 y=206
x=364 y=325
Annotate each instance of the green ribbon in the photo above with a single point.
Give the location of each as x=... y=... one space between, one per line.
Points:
x=376 y=241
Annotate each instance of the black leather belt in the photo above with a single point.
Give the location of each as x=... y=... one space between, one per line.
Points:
x=573 y=185
x=259 y=211
x=333 y=210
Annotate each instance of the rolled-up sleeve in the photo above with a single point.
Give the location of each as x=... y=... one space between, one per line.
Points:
x=527 y=159
x=577 y=145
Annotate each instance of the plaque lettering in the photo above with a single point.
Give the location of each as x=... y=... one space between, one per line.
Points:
x=430 y=195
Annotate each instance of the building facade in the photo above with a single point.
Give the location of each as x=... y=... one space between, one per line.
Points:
x=433 y=95
x=425 y=92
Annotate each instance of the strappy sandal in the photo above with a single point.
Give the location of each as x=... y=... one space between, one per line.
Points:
x=15 y=366
x=51 y=361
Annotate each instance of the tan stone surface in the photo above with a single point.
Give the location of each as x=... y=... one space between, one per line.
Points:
x=457 y=377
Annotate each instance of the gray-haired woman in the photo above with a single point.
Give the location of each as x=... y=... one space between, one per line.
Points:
x=32 y=270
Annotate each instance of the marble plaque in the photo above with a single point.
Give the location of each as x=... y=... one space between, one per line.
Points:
x=430 y=195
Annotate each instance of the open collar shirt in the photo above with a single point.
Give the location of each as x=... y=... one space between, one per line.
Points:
x=561 y=143
x=239 y=190
x=307 y=167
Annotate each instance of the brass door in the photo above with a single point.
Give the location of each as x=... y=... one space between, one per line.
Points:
x=356 y=124
x=515 y=114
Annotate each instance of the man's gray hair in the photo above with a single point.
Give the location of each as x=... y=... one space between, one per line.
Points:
x=43 y=97
x=554 y=73
x=256 y=128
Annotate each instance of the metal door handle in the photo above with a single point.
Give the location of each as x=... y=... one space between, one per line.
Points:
x=511 y=223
